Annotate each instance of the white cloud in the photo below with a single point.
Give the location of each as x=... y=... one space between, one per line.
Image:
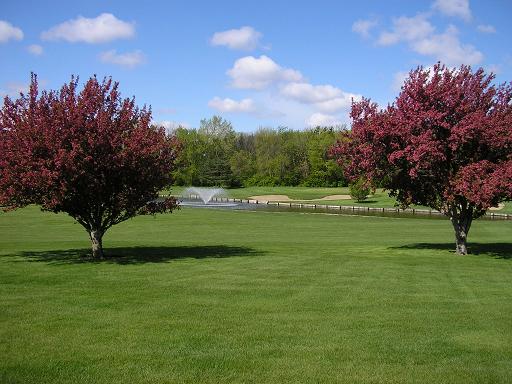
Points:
x=326 y=98
x=9 y=32
x=308 y=93
x=363 y=27
x=35 y=49
x=127 y=60
x=406 y=29
x=420 y=35
x=104 y=28
x=448 y=49
x=259 y=73
x=486 y=28
x=338 y=103
x=228 y=105
x=245 y=38
x=283 y=94
x=457 y=8
x=322 y=120
x=398 y=80
x=250 y=72
x=246 y=105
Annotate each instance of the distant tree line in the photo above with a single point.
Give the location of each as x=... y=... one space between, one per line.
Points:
x=216 y=155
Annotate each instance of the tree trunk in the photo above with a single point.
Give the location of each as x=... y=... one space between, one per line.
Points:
x=461 y=225
x=97 y=244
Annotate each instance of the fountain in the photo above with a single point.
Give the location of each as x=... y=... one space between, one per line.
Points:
x=206 y=195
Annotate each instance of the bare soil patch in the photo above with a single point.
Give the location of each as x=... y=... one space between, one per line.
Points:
x=500 y=206
x=336 y=197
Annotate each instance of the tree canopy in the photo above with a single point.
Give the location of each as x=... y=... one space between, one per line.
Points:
x=88 y=153
x=446 y=142
x=216 y=155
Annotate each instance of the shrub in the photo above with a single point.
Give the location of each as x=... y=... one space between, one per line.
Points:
x=359 y=189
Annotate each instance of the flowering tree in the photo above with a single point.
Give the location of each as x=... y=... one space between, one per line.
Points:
x=446 y=142
x=88 y=153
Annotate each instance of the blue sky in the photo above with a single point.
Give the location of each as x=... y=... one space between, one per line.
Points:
x=264 y=63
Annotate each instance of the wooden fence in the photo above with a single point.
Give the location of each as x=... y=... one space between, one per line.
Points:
x=348 y=209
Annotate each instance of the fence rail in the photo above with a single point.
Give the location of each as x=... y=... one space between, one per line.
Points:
x=348 y=208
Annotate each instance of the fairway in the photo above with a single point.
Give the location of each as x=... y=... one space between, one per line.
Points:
x=220 y=296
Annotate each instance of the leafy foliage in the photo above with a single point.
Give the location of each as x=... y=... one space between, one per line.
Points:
x=359 y=189
x=214 y=155
x=446 y=142
x=88 y=153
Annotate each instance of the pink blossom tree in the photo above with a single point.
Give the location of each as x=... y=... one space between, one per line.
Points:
x=446 y=143
x=88 y=153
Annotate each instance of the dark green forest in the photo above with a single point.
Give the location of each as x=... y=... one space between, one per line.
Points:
x=216 y=155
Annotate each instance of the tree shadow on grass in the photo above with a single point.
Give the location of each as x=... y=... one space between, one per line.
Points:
x=139 y=255
x=496 y=250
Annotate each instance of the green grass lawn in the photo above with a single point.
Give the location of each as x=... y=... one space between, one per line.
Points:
x=214 y=296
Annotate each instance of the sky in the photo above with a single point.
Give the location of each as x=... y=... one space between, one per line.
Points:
x=257 y=64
